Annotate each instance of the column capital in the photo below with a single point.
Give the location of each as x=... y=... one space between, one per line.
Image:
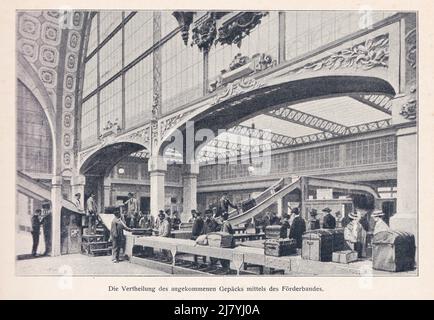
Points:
x=56 y=181
x=191 y=169
x=157 y=164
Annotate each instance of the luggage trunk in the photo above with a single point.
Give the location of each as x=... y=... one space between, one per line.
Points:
x=393 y=251
x=279 y=247
x=142 y=232
x=317 y=245
x=276 y=232
x=339 y=243
x=220 y=240
x=345 y=256
x=248 y=204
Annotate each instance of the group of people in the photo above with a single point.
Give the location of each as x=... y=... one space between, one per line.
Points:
x=41 y=218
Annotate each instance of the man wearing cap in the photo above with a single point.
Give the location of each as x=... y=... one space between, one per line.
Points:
x=132 y=210
x=117 y=235
x=380 y=225
x=298 y=227
x=92 y=210
x=355 y=235
x=77 y=201
x=329 y=222
x=313 y=221
x=36 y=230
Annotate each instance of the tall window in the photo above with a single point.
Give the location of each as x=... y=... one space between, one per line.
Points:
x=89 y=121
x=34 y=143
x=90 y=76
x=110 y=57
x=138 y=93
x=138 y=35
x=182 y=70
x=110 y=104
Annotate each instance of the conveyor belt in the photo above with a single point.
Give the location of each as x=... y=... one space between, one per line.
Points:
x=38 y=190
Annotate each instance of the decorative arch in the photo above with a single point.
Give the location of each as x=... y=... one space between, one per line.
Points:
x=99 y=161
x=247 y=97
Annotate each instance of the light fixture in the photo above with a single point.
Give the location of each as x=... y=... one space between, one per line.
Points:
x=121 y=170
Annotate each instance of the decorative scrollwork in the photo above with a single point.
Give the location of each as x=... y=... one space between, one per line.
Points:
x=409 y=109
x=110 y=128
x=168 y=124
x=411 y=39
x=234 y=30
x=204 y=33
x=367 y=55
x=237 y=87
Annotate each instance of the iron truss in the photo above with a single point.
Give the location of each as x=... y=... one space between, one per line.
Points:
x=278 y=139
x=308 y=120
x=376 y=101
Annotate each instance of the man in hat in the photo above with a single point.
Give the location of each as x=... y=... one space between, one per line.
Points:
x=117 y=235
x=46 y=221
x=380 y=225
x=313 y=220
x=132 y=210
x=329 y=222
x=298 y=227
x=36 y=230
x=92 y=210
x=225 y=203
x=197 y=228
x=355 y=235
x=193 y=216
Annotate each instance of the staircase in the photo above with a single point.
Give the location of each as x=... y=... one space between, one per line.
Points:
x=96 y=244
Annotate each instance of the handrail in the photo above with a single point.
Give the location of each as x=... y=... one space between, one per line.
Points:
x=258 y=199
x=242 y=217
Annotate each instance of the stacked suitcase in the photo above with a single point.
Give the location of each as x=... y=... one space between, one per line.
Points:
x=279 y=247
x=276 y=232
x=317 y=245
x=393 y=251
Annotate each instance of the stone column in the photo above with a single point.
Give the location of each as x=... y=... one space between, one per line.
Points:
x=189 y=178
x=107 y=193
x=406 y=212
x=56 y=207
x=78 y=183
x=157 y=168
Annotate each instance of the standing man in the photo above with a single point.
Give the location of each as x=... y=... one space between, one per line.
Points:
x=197 y=228
x=36 y=230
x=380 y=225
x=339 y=219
x=46 y=221
x=132 y=210
x=225 y=203
x=193 y=216
x=77 y=201
x=329 y=222
x=164 y=231
x=92 y=210
x=117 y=236
x=313 y=221
x=298 y=227
x=355 y=235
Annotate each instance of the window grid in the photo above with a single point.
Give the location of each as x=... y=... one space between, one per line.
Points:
x=110 y=103
x=108 y=21
x=371 y=151
x=90 y=76
x=138 y=35
x=182 y=69
x=317 y=158
x=110 y=58
x=34 y=142
x=168 y=23
x=138 y=93
x=93 y=35
x=89 y=121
